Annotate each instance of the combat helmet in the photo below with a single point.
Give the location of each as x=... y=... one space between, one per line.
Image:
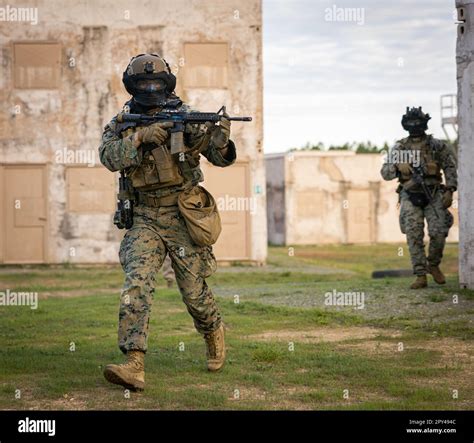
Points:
x=148 y=78
x=415 y=121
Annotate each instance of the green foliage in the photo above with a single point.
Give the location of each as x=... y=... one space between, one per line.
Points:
x=358 y=147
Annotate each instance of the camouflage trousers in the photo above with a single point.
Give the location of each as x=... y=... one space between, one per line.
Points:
x=155 y=233
x=167 y=270
x=412 y=223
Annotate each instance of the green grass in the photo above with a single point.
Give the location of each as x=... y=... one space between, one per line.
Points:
x=286 y=348
x=359 y=259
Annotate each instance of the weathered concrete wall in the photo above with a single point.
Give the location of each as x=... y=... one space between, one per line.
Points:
x=97 y=40
x=333 y=197
x=465 y=78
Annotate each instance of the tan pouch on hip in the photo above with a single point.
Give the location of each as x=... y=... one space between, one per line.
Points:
x=199 y=210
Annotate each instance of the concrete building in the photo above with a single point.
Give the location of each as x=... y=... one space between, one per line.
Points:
x=465 y=78
x=332 y=197
x=60 y=83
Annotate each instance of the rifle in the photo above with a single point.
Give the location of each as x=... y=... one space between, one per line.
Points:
x=419 y=178
x=179 y=120
x=123 y=217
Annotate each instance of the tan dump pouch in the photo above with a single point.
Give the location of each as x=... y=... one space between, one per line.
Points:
x=199 y=210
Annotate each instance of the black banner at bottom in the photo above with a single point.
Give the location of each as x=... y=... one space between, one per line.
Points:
x=433 y=426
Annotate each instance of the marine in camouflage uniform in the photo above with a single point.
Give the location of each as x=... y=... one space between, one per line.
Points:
x=435 y=157
x=158 y=227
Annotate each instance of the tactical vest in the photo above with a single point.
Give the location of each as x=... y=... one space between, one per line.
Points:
x=429 y=149
x=160 y=171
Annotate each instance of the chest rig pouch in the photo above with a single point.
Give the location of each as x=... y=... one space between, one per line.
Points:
x=429 y=157
x=158 y=168
x=433 y=158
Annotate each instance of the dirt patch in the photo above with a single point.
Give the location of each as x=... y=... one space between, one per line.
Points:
x=451 y=348
x=31 y=402
x=248 y=393
x=288 y=398
x=110 y=397
x=325 y=334
x=105 y=397
x=66 y=402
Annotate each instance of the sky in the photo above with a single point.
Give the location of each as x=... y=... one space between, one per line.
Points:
x=335 y=75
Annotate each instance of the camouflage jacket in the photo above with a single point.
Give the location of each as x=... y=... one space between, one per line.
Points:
x=435 y=156
x=117 y=152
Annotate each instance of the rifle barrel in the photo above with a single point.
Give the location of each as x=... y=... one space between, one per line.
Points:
x=197 y=117
x=240 y=119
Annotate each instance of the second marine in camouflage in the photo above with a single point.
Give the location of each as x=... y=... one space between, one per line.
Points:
x=420 y=153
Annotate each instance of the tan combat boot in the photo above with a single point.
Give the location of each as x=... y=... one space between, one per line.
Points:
x=420 y=282
x=131 y=374
x=438 y=276
x=215 y=349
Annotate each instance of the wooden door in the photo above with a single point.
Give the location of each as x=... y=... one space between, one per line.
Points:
x=230 y=188
x=23 y=216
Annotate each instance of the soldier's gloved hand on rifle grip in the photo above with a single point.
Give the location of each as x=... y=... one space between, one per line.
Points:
x=155 y=133
x=404 y=168
x=447 y=198
x=220 y=134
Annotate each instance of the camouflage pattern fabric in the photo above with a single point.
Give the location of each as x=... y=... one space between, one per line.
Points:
x=412 y=223
x=412 y=218
x=444 y=157
x=167 y=269
x=156 y=232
